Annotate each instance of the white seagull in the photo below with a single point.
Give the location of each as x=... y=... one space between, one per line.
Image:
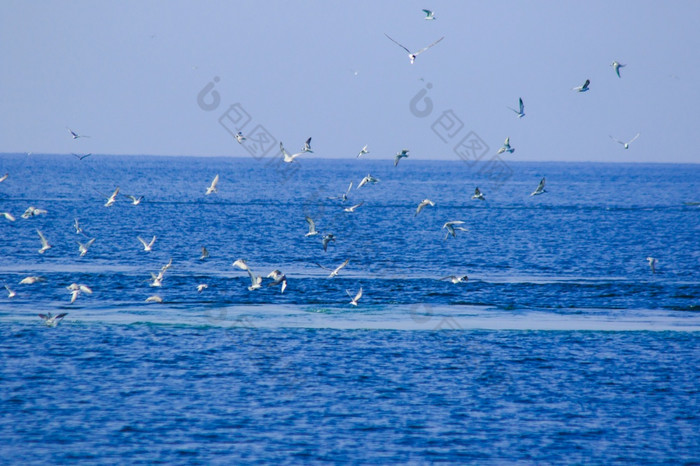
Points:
x=583 y=88
x=278 y=278
x=83 y=248
x=8 y=216
x=33 y=211
x=205 y=254
x=255 y=281
x=400 y=155
x=288 y=158
x=367 y=179
x=239 y=137
x=456 y=279
x=626 y=145
x=32 y=279
x=337 y=269
x=343 y=197
x=652 y=263
x=112 y=199
x=51 y=320
x=75 y=290
x=327 y=239
x=616 y=66
x=154 y=299
x=135 y=200
x=4 y=177
x=429 y=15
x=10 y=294
x=521 y=112
x=363 y=151
x=540 y=188
x=356 y=298
x=307 y=146
x=353 y=208
x=212 y=186
x=451 y=228
x=478 y=194
x=76 y=135
x=412 y=55
x=78 y=228
x=45 y=246
x=423 y=204
x=241 y=264
x=312 y=227
x=506 y=147
x=202 y=287
x=148 y=247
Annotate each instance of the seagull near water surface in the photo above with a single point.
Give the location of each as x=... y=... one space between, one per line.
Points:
x=540 y=188
x=423 y=204
x=51 y=320
x=367 y=179
x=356 y=298
x=212 y=186
x=478 y=194
x=412 y=55
x=451 y=228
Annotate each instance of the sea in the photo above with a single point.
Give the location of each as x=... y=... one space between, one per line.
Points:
x=562 y=346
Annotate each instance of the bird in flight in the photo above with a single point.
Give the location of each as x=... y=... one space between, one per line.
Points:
x=83 y=248
x=239 y=137
x=400 y=155
x=652 y=263
x=478 y=194
x=307 y=146
x=277 y=279
x=147 y=246
x=367 y=179
x=134 y=200
x=51 y=320
x=112 y=199
x=312 y=227
x=205 y=254
x=81 y=157
x=10 y=293
x=412 y=55
x=451 y=228
x=45 y=246
x=616 y=67
x=626 y=145
x=4 y=177
x=521 y=106
x=429 y=15
x=353 y=208
x=327 y=239
x=363 y=151
x=212 y=186
x=423 y=204
x=8 y=216
x=356 y=298
x=540 y=188
x=506 y=147
x=290 y=158
x=76 y=135
x=583 y=88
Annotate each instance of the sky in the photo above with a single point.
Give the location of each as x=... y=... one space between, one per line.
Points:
x=133 y=76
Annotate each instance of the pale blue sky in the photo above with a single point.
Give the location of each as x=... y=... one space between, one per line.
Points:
x=128 y=73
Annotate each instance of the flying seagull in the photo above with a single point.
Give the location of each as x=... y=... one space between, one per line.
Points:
x=288 y=158
x=32 y=211
x=83 y=248
x=51 y=320
x=148 y=247
x=506 y=147
x=154 y=299
x=76 y=135
x=540 y=188
x=367 y=179
x=241 y=264
x=10 y=294
x=32 y=279
x=363 y=151
x=112 y=199
x=343 y=197
x=451 y=228
x=134 y=200
x=45 y=246
x=412 y=55
x=255 y=281
x=583 y=88
x=239 y=137
x=356 y=298
x=327 y=239
x=4 y=177
x=400 y=155
x=81 y=157
x=307 y=146
x=423 y=204
x=8 y=216
x=652 y=263
x=78 y=228
x=337 y=269
x=201 y=287
x=616 y=66
x=75 y=290
x=212 y=186
x=456 y=279
x=278 y=278
x=521 y=112
x=312 y=227
x=353 y=208
x=429 y=15
x=205 y=254
x=626 y=145
x=478 y=194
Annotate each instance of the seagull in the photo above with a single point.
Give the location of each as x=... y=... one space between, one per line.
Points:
x=212 y=187
x=327 y=239
x=154 y=299
x=336 y=270
x=451 y=228
x=312 y=227
x=239 y=137
x=540 y=188
x=400 y=155
x=255 y=281
x=352 y=209
x=76 y=135
x=83 y=248
x=423 y=204
x=32 y=279
x=81 y=157
x=10 y=294
x=356 y=298
x=157 y=280
x=412 y=55
x=583 y=88
x=4 y=177
x=50 y=320
x=205 y=254
x=78 y=228
x=652 y=263
x=8 y=216
x=626 y=145
x=135 y=200
x=616 y=66
x=202 y=287
x=456 y=279
x=506 y=147
x=307 y=146
x=112 y=199
x=277 y=278
x=343 y=197
x=367 y=179
x=521 y=112
x=288 y=158
x=32 y=211
x=167 y=266
x=148 y=247
x=363 y=151
x=75 y=290
x=45 y=246
x=478 y=194
x=241 y=264
x=429 y=15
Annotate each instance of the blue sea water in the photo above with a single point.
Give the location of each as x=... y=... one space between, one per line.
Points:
x=562 y=346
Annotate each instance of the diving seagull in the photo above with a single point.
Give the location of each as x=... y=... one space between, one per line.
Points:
x=652 y=263
x=429 y=15
x=45 y=246
x=521 y=112
x=363 y=151
x=8 y=216
x=10 y=294
x=112 y=199
x=212 y=186
x=288 y=158
x=540 y=188
x=478 y=194
x=356 y=298
x=51 y=320
x=135 y=200
x=239 y=137
x=451 y=228
x=506 y=147
x=76 y=135
x=277 y=279
x=307 y=146
x=456 y=279
x=83 y=248
x=423 y=204
x=148 y=247
x=353 y=208
x=583 y=88
x=312 y=227
x=412 y=55
x=626 y=145
x=400 y=155
x=327 y=239
x=616 y=67
x=367 y=179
